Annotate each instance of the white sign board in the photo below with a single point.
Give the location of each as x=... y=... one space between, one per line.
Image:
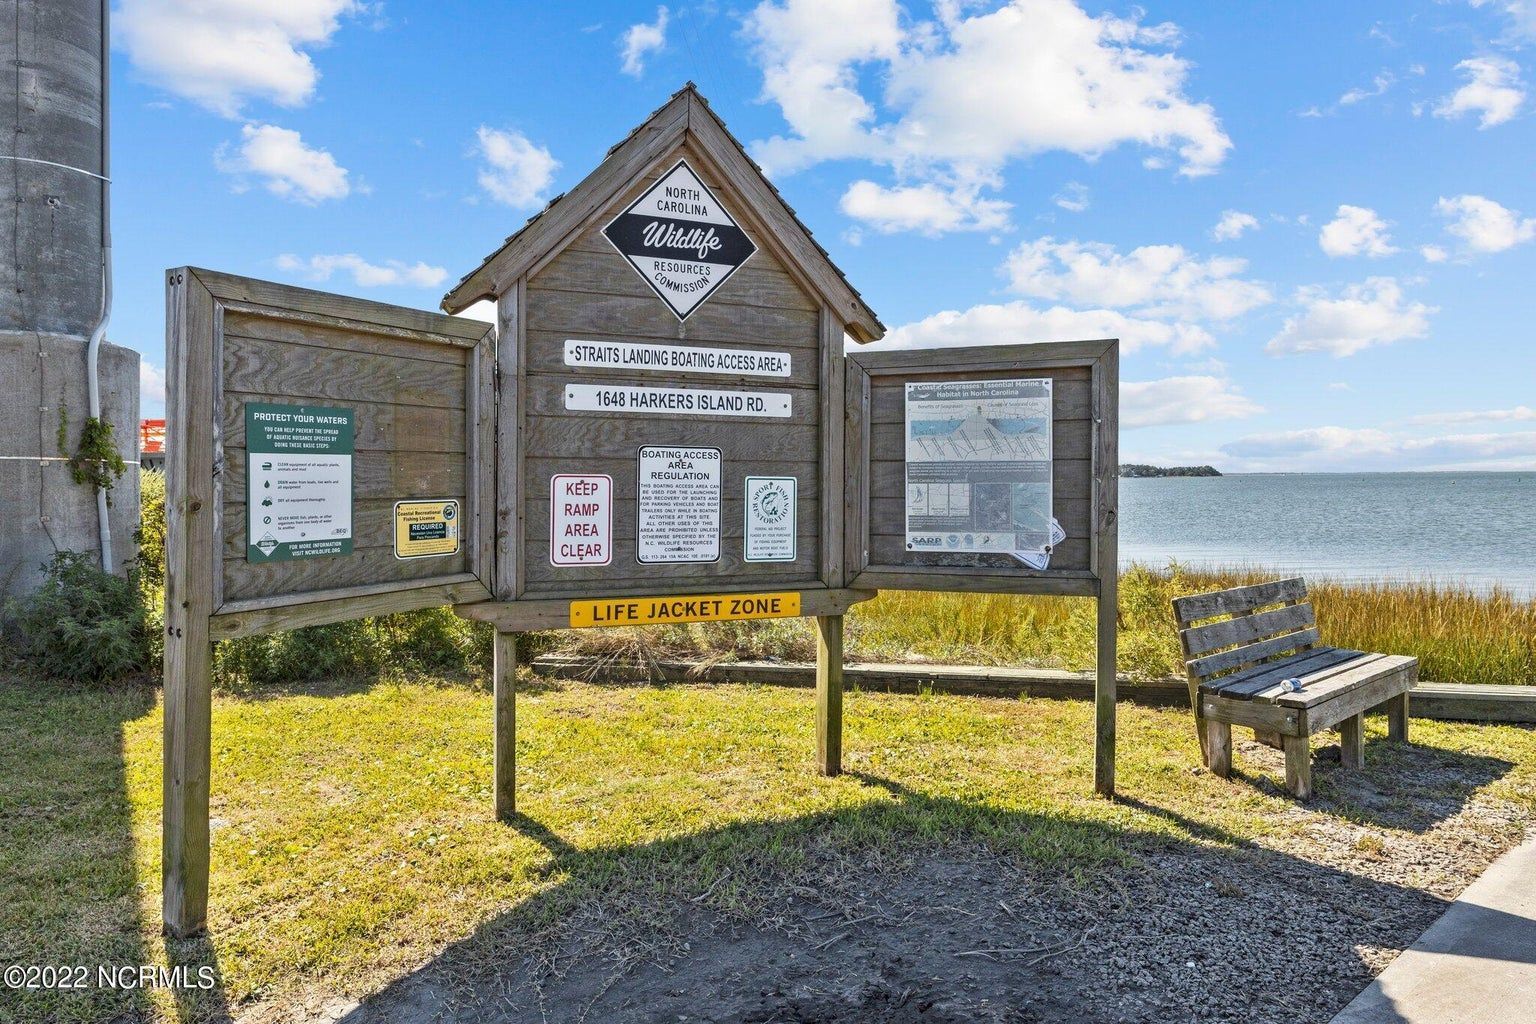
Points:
x=769 y=531
x=580 y=519
x=677 y=401
x=680 y=239
x=629 y=355
x=978 y=457
x=677 y=514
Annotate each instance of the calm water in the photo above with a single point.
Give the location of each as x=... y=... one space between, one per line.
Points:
x=1474 y=528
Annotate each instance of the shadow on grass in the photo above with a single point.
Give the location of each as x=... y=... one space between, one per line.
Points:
x=924 y=908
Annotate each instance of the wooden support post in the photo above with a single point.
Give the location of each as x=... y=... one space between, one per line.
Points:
x=504 y=688
x=1218 y=744
x=191 y=549
x=1298 y=766
x=1104 y=691
x=829 y=694
x=1397 y=718
x=187 y=763
x=1352 y=742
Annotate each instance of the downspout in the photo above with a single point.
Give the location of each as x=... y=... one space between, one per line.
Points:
x=93 y=349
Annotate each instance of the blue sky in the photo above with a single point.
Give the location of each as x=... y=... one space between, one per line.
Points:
x=1312 y=225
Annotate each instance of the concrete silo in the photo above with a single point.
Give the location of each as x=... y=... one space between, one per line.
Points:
x=55 y=290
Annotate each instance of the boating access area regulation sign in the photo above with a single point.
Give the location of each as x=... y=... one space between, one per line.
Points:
x=680 y=239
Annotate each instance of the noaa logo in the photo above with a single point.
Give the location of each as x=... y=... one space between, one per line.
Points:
x=954 y=540
x=450 y=510
x=771 y=503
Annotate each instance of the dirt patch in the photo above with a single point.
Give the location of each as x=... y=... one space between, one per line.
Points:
x=1201 y=926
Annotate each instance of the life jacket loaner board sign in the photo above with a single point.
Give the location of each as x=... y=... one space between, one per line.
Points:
x=642 y=611
x=680 y=239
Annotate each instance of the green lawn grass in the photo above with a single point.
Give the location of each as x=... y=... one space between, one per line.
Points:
x=353 y=838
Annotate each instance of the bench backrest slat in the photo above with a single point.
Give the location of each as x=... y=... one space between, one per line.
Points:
x=1238 y=600
x=1249 y=630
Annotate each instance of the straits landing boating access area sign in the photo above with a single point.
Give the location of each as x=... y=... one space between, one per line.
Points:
x=298 y=490
x=680 y=239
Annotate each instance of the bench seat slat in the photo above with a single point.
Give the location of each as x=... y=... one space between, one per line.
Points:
x=1211 y=664
x=1242 y=685
x=1310 y=674
x=1203 y=639
x=1313 y=694
x=1238 y=600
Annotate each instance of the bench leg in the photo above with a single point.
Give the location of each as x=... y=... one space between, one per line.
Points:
x=1298 y=767
x=1397 y=718
x=1269 y=738
x=1352 y=742
x=1218 y=747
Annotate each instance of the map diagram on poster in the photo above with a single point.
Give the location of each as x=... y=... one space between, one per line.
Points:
x=298 y=500
x=978 y=462
x=677 y=516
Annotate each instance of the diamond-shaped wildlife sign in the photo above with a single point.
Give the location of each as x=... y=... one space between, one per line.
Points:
x=680 y=239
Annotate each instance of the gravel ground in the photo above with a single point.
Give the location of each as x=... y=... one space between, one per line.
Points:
x=1204 y=929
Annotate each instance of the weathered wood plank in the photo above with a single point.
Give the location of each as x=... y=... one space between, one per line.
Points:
x=732 y=518
x=1363 y=697
x=1397 y=714
x=318 y=608
x=624 y=471
x=1247 y=628
x=1238 y=599
x=1352 y=742
x=1030 y=359
x=1243 y=684
x=1104 y=558
x=857 y=506
x=1321 y=687
x=1252 y=654
x=891 y=549
x=379 y=427
x=984 y=580
x=669 y=577
x=1218 y=747
x=325 y=375
x=342 y=310
x=1254 y=714
x=1298 y=767
x=831 y=424
x=398 y=477
x=340 y=337
x=245 y=580
x=648 y=317
x=525 y=616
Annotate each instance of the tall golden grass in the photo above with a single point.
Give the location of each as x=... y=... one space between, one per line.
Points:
x=1459 y=636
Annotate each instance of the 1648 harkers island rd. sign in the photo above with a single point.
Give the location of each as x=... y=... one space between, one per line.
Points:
x=680 y=239
x=298 y=481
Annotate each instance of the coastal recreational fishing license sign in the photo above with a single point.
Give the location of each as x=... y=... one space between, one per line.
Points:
x=978 y=456
x=426 y=528
x=677 y=514
x=642 y=611
x=680 y=239
x=298 y=483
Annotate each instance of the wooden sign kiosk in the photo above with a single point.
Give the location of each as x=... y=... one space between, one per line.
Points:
x=664 y=427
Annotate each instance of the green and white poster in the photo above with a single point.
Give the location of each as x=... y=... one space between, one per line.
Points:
x=298 y=481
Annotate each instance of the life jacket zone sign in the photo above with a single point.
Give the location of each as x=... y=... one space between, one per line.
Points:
x=680 y=239
x=580 y=519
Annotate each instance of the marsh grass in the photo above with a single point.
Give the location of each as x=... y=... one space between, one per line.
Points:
x=1460 y=636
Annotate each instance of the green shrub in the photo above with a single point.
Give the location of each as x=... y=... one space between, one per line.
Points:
x=82 y=624
x=150 y=535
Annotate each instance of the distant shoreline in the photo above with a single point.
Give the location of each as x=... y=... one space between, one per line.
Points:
x=1141 y=471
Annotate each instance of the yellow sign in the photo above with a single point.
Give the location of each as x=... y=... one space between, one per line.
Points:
x=641 y=611
x=424 y=528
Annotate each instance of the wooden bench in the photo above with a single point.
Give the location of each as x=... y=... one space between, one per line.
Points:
x=1240 y=644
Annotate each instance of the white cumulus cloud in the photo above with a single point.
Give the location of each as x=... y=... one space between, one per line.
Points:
x=151 y=383
x=1493 y=91
x=1519 y=413
x=1233 y=224
x=928 y=209
x=1173 y=400
x=1356 y=231
x=967 y=92
x=1341 y=448
x=1154 y=280
x=514 y=170
x=1521 y=15
x=1014 y=322
x=320 y=267
x=222 y=53
x=1362 y=316
x=641 y=40
x=1434 y=253
x=1073 y=197
x=1484 y=225
x=288 y=168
